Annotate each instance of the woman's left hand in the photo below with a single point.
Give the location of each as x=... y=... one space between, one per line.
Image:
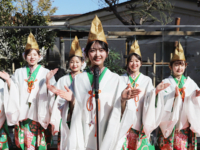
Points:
x=197 y=93
x=161 y=87
x=67 y=95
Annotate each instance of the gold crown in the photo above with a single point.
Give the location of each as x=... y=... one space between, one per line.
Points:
x=178 y=53
x=135 y=49
x=75 y=48
x=96 y=31
x=31 y=43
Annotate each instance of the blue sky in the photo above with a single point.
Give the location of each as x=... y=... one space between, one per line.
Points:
x=66 y=7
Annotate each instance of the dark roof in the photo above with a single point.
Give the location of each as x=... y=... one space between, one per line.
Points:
x=63 y=17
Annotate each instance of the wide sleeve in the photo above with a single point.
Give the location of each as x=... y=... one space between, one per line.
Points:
x=45 y=98
x=12 y=104
x=170 y=111
x=114 y=130
x=60 y=105
x=192 y=108
x=151 y=113
x=2 y=112
x=75 y=137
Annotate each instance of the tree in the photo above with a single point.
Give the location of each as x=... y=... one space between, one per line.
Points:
x=142 y=11
x=26 y=13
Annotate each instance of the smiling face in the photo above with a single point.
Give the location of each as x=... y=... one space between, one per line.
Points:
x=32 y=57
x=134 y=64
x=178 y=68
x=75 y=64
x=97 y=55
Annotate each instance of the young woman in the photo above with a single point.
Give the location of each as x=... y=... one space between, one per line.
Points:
x=181 y=110
x=4 y=133
x=82 y=134
x=61 y=106
x=28 y=104
x=136 y=110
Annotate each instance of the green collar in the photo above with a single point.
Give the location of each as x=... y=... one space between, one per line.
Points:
x=133 y=81
x=91 y=76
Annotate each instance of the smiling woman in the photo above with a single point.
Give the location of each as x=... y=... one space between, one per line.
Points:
x=28 y=101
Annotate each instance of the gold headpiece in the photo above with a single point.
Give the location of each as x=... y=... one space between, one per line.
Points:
x=135 y=49
x=31 y=43
x=178 y=53
x=75 y=48
x=96 y=31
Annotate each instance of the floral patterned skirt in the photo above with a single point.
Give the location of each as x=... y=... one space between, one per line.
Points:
x=134 y=141
x=30 y=135
x=5 y=141
x=178 y=140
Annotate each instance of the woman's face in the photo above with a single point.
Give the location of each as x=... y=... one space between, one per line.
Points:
x=32 y=58
x=75 y=64
x=178 y=68
x=97 y=54
x=134 y=64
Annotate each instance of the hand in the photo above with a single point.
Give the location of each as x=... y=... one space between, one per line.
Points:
x=5 y=75
x=161 y=87
x=176 y=92
x=50 y=74
x=67 y=95
x=129 y=93
x=53 y=89
x=197 y=93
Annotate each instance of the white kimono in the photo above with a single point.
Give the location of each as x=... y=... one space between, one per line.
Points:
x=145 y=106
x=81 y=135
x=19 y=98
x=2 y=99
x=184 y=113
x=60 y=110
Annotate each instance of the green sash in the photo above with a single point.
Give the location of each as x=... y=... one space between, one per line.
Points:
x=133 y=81
x=181 y=82
x=34 y=74
x=71 y=79
x=32 y=78
x=91 y=76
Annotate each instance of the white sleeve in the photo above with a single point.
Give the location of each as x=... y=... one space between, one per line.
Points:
x=193 y=111
x=12 y=108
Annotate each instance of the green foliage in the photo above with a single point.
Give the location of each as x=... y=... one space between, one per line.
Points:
x=153 y=11
x=13 y=41
x=113 y=62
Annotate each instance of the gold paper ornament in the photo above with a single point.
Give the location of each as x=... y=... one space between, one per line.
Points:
x=178 y=53
x=31 y=43
x=75 y=48
x=96 y=31
x=135 y=48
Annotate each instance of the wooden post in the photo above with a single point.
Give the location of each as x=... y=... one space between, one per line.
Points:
x=171 y=55
x=154 y=70
x=126 y=53
x=62 y=53
x=13 y=68
x=177 y=22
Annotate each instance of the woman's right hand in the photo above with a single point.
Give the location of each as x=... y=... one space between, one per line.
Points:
x=129 y=93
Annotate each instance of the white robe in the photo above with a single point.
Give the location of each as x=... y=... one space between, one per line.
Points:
x=81 y=135
x=2 y=99
x=184 y=113
x=60 y=110
x=145 y=106
x=40 y=98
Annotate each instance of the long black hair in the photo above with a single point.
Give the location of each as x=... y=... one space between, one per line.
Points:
x=130 y=56
x=103 y=46
x=81 y=59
